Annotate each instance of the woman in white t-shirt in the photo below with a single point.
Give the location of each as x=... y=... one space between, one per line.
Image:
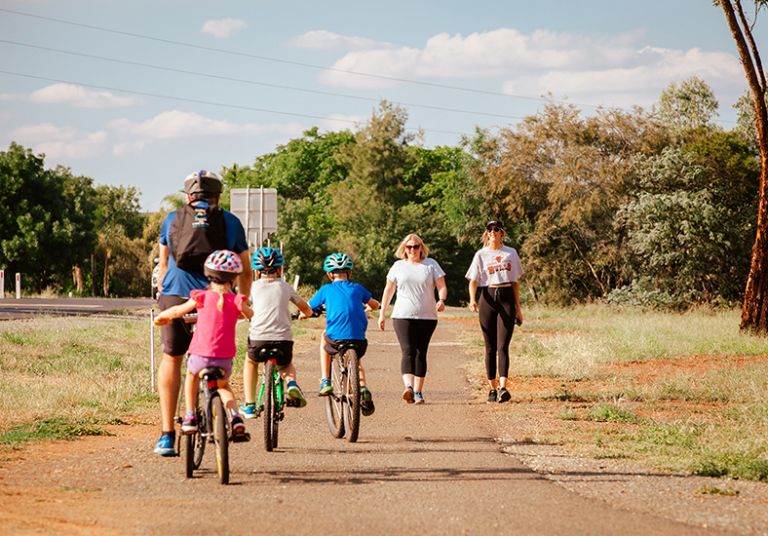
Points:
x=414 y=316
x=496 y=269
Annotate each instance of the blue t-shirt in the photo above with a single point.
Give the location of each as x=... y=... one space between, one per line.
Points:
x=178 y=282
x=344 y=309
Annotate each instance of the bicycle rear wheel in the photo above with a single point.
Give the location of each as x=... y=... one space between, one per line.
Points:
x=334 y=402
x=219 y=415
x=268 y=398
x=351 y=393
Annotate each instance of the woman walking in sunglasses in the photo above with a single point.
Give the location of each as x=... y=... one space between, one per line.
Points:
x=415 y=277
x=496 y=269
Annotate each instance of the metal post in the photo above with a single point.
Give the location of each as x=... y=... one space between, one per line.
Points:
x=261 y=216
x=18 y=286
x=248 y=213
x=152 y=349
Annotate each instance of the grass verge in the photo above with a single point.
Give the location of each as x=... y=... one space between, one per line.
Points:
x=684 y=392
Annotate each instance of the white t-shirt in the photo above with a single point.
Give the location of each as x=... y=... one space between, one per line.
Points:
x=271 y=317
x=495 y=266
x=415 y=288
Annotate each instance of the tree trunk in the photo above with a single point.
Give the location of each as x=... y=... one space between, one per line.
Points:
x=754 y=313
x=105 y=282
x=77 y=279
x=93 y=274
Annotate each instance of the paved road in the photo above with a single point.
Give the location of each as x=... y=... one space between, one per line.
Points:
x=431 y=469
x=11 y=308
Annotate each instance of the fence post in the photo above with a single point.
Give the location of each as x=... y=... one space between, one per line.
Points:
x=2 y=284
x=18 y=286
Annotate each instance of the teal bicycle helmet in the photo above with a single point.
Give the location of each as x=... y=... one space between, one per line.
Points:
x=337 y=262
x=267 y=259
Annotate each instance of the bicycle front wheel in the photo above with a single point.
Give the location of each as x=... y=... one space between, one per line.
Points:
x=351 y=393
x=219 y=415
x=268 y=398
x=334 y=405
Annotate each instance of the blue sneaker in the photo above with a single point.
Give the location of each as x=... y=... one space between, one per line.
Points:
x=248 y=410
x=325 y=387
x=165 y=446
x=294 y=393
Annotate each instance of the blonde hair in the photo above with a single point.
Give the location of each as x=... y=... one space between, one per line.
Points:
x=222 y=289
x=487 y=237
x=423 y=250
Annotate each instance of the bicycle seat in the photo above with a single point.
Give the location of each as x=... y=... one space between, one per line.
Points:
x=345 y=344
x=211 y=373
x=270 y=352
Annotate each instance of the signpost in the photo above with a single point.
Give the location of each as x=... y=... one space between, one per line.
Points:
x=257 y=210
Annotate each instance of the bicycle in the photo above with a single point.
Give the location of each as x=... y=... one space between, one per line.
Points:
x=271 y=401
x=342 y=406
x=212 y=427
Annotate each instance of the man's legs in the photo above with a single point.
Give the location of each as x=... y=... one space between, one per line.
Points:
x=168 y=383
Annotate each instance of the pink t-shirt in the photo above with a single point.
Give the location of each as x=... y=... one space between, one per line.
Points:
x=215 y=331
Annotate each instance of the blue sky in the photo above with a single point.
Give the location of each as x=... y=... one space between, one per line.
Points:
x=141 y=93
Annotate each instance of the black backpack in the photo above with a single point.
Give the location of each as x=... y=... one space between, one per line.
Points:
x=194 y=234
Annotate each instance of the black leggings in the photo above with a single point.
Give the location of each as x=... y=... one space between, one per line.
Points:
x=414 y=336
x=497 y=320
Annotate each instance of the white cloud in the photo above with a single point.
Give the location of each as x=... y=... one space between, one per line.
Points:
x=223 y=28
x=60 y=142
x=80 y=97
x=534 y=64
x=325 y=40
x=174 y=124
x=8 y=97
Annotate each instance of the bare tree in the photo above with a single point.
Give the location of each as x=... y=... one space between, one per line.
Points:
x=754 y=315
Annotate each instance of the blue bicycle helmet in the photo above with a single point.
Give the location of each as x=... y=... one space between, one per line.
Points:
x=267 y=259
x=337 y=261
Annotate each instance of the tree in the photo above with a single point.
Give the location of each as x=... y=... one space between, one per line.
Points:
x=690 y=105
x=754 y=315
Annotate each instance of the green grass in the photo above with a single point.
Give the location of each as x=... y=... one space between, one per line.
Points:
x=707 y=417
x=57 y=428
x=59 y=377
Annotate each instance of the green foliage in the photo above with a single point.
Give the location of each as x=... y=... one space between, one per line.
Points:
x=56 y=428
x=690 y=105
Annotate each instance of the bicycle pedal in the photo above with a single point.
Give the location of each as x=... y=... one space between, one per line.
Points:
x=292 y=403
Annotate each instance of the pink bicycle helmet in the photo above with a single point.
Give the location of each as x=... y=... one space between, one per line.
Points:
x=222 y=266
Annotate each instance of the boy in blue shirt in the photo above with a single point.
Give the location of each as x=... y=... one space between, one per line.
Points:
x=345 y=306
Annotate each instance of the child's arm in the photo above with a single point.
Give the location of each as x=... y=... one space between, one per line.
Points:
x=246 y=311
x=305 y=309
x=371 y=305
x=177 y=311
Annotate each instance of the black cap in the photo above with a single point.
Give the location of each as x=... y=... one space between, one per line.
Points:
x=494 y=223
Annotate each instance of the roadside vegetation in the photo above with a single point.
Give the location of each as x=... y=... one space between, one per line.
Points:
x=680 y=391
x=64 y=378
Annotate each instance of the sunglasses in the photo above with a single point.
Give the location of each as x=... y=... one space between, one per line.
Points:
x=416 y=246
x=494 y=230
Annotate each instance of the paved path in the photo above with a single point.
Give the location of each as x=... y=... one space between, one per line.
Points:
x=431 y=469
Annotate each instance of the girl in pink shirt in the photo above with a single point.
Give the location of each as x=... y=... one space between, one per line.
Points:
x=213 y=343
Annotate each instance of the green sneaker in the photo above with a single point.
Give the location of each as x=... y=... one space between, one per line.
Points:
x=366 y=402
x=294 y=393
x=325 y=387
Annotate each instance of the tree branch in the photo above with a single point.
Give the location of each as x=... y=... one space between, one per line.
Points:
x=748 y=31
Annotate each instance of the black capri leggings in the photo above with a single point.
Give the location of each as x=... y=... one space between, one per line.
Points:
x=497 y=320
x=414 y=335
